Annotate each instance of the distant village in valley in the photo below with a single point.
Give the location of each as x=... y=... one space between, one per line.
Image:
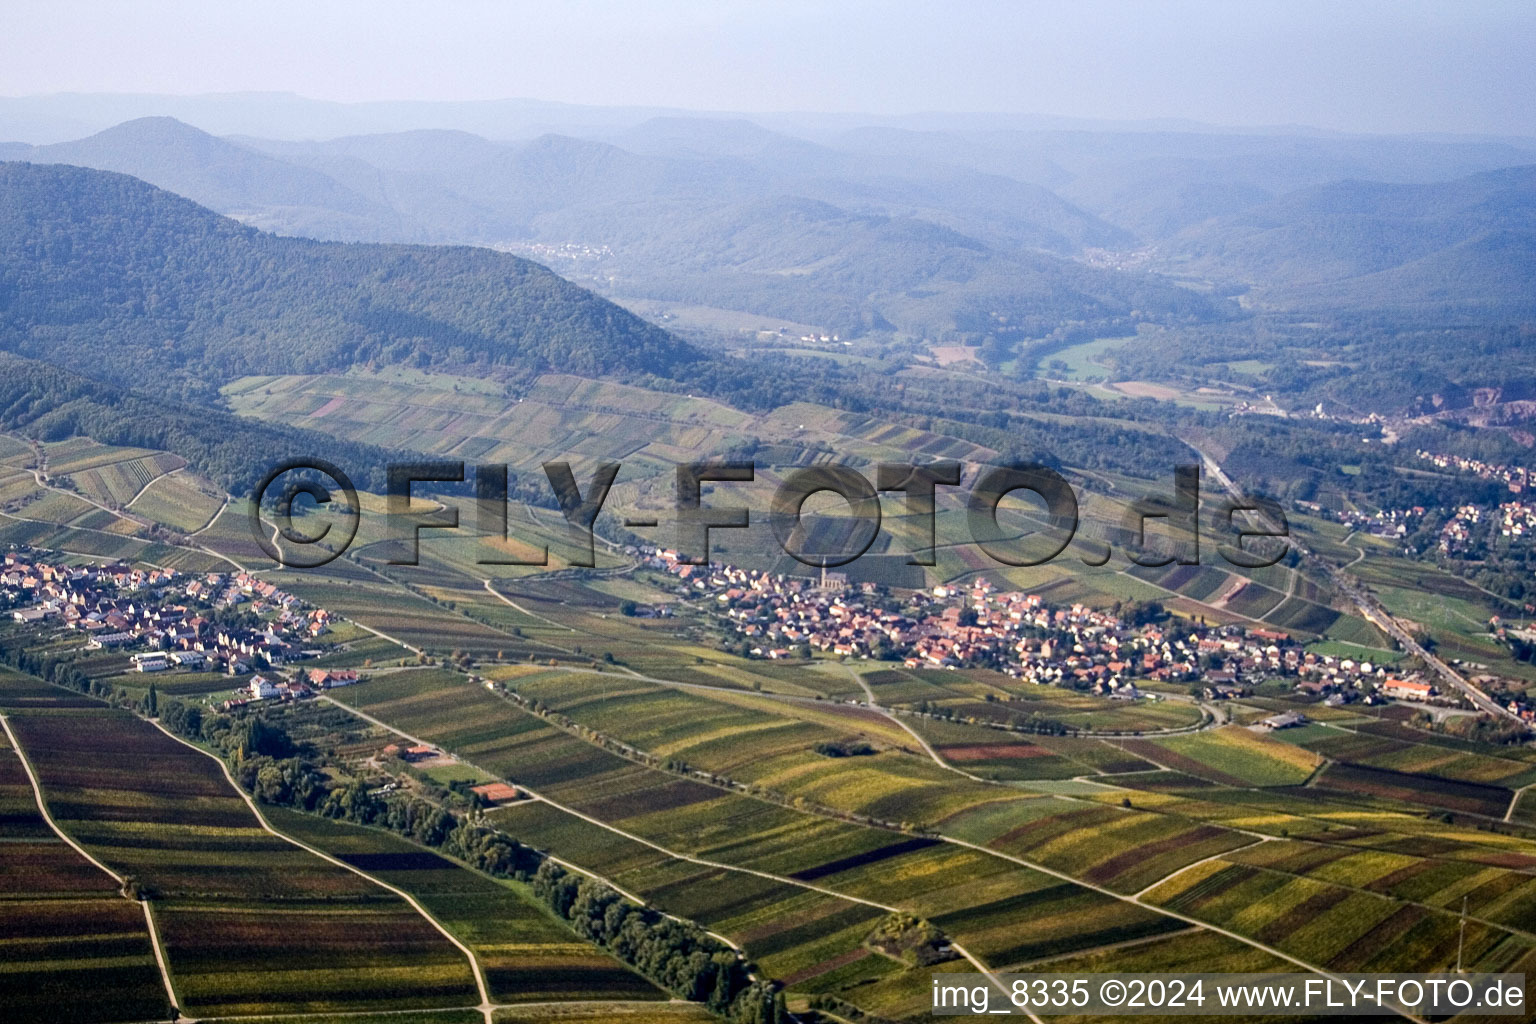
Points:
x=1517 y=478
x=241 y=626
x=1464 y=530
x=161 y=620
x=775 y=616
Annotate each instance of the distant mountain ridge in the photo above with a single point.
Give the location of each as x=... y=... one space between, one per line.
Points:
x=109 y=276
x=931 y=251
x=994 y=238
x=1461 y=246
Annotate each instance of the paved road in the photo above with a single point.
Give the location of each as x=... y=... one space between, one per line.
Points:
x=1371 y=610
x=678 y=855
x=42 y=806
x=487 y=1007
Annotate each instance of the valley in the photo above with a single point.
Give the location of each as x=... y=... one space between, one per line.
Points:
x=449 y=741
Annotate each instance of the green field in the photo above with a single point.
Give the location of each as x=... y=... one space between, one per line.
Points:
x=684 y=817
x=527 y=954
x=75 y=948
x=1082 y=360
x=1234 y=756
x=250 y=922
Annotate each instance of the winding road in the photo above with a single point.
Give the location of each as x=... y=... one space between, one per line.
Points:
x=1372 y=611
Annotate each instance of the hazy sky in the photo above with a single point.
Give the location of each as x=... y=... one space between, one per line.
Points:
x=1361 y=65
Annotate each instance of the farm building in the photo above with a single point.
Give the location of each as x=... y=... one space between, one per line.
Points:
x=1284 y=720
x=330 y=678
x=497 y=792
x=1408 y=689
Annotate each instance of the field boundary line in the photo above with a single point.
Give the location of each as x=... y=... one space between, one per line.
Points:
x=921 y=742
x=215 y=518
x=504 y=599
x=702 y=862
x=1026 y=966
x=1134 y=899
x=386 y=636
x=1137 y=901
x=1514 y=800
x=486 y=1006
x=161 y=960
x=152 y=480
x=42 y=806
x=40 y=477
x=1194 y=864
x=639 y=901
x=308 y=1018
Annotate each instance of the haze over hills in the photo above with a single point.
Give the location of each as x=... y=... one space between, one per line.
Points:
x=1467 y=245
x=218 y=174
x=1009 y=238
x=764 y=563
x=110 y=276
x=706 y=230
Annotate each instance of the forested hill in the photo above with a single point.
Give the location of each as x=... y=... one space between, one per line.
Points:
x=110 y=276
x=1461 y=249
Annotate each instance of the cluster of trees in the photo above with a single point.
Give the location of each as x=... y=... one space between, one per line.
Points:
x=911 y=939
x=1523 y=650
x=677 y=955
x=1476 y=728
x=105 y=274
x=844 y=748
x=15 y=653
x=119 y=282
x=268 y=763
x=1140 y=613
x=1393 y=364
x=1303 y=459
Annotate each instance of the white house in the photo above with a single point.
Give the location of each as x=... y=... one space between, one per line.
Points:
x=261 y=689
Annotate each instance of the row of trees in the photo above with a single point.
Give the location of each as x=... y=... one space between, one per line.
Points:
x=679 y=956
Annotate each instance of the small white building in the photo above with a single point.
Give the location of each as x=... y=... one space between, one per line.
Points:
x=261 y=689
